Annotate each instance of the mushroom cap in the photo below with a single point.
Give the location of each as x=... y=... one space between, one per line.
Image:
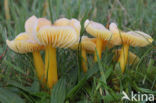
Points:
x=33 y=24
x=62 y=22
x=69 y=22
x=57 y=36
x=132 y=58
x=97 y=30
x=86 y=43
x=24 y=43
x=30 y=24
x=27 y=41
x=133 y=38
x=42 y=22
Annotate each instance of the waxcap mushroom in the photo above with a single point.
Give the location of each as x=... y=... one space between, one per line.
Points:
x=97 y=30
x=57 y=36
x=24 y=43
x=133 y=38
x=33 y=24
x=69 y=22
x=30 y=24
x=132 y=58
x=102 y=34
x=53 y=37
x=27 y=42
x=86 y=43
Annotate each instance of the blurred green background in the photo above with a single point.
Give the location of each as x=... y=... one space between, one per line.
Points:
x=103 y=82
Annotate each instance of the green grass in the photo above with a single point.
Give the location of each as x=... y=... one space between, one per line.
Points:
x=103 y=82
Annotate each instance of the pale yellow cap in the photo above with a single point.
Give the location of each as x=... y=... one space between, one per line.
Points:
x=24 y=43
x=27 y=41
x=33 y=24
x=57 y=36
x=42 y=22
x=133 y=38
x=86 y=43
x=69 y=22
x=62 y=22
x=97 y=30
x=30 y=24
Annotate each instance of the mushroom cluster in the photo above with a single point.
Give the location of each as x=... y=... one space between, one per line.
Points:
x=113 y=37
x=41 y=34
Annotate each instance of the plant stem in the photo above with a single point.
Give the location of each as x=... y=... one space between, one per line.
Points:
x=45 y=8
x=50 y=10
x=6 y=8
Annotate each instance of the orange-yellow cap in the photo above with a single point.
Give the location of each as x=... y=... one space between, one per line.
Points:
x=30 y=24
x=33 y=24
x=57 y=36
x=42 y=22
x=97 y=30
x=69 y=22
x=27 y=41
x=133 y=38
x=24 y=43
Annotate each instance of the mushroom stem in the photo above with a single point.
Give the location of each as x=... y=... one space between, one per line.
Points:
x=39 y=66
x=84 y=60
x=50 y=66
x=99 y=49
x=123 y=57
x=104 y=44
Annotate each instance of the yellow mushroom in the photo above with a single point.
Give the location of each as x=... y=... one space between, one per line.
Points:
x=61 y=23
x=131 y=38
x=102 y=34
x=27 y=42
x=24 y=43
x=132 y=58
x=53 y=37
x=87 y=46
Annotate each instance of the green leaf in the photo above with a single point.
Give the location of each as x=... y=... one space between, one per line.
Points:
x=58 y=92
x=7 y=96
x=20 y=86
